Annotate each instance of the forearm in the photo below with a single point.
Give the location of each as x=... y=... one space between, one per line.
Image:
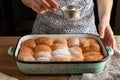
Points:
x=104 y=10
x=27 y=3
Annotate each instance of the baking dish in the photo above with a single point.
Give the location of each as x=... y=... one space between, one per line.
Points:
x=61 y=67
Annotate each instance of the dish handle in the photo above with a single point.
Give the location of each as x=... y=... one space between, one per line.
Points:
x=11 y=50
x=110 y=50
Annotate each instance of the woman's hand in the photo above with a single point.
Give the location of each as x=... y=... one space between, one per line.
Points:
x=105 y=31
x=106 y=34
x=41 y=6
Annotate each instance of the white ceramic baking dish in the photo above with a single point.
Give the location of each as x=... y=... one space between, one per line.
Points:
x=61 y=67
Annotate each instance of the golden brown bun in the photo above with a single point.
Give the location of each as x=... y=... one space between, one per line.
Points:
x=40 y=48
x=73 y=42
x=26 y=57
x=76 y=54
x=93 y=56
x=93 y=41
x=89 y=45
x=87 y=42
x=44 y=40
x=26 y=50
x=59 y=46
x=29 y=43
x=93 y=47
x=60 y=58
x=61 y=41
x=92 y=53
x=84 y=43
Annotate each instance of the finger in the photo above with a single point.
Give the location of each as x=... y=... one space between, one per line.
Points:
x=112 y=42
x=113 y=45
x=37 y=8
x=107 y=40
x=44 y=4
x=101 y=31
x=53 y=9
x=53 y=3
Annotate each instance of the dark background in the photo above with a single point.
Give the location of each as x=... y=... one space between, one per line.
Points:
x=17 y=20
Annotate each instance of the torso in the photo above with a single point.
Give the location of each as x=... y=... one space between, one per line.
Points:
x=55 y=22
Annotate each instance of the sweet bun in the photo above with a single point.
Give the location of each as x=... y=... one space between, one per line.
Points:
x=44 y=40
x=93 y=41
x=92 y=47
x=43 y=54
x=84 y=43
x=59 y=46
x=92 y=53
x=43 y=59
x=93 y=56
x=60 y=58
x=73 y=42
x=26 y=50
x=89 y=45
x=61 y=41
x=29 y=43
x=61 y=55
x=62 y=52
x=87 y=42
x=43 y=48
x=75 y=51
x=76 y=54
x=26 y=57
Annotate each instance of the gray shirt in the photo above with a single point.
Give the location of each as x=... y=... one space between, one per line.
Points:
x=55 y=23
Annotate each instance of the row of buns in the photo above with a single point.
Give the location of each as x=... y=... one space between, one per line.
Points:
x=61 y=49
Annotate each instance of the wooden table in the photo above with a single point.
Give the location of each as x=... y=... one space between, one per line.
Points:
x=8 y=65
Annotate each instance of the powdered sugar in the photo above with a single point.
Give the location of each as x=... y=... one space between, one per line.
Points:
x=73 y=42
x=63 y=52
x=43 y=59
x=43 y=54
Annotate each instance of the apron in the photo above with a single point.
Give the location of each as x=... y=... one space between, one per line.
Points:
x=55 y=23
